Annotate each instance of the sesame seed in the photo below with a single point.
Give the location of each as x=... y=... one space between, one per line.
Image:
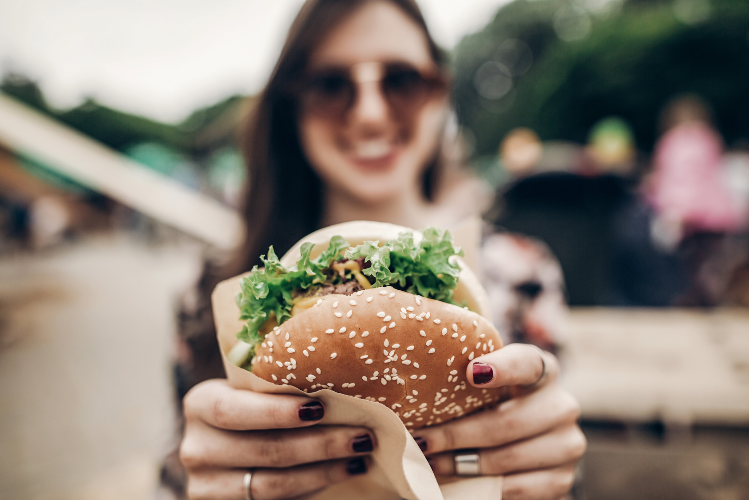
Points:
x=310 y=348
x=369 y=299
x=352 y=302
x=343 y=328
x=410 y=348
x=320 y=301
x=463 y=337
x=352 y=334
x=337 y=314
x=432 y=349
x=359 y=345
x=471 y=356
x=264 y=345
x=478 y=345
x=349 y=313
x=318 y=371
x=396 y=346
x=475 y=323
x=274 y=377
x=445 y=330
x=428 y=315
x=360 y=292
x=364 y=378
x=280 y=363
x=381 y=314
x=416 y=365
x=392 y=294
x=382 y=330
x=419 y=318
x=315 y=339
x=383 y=292
x=413 y=377
x=311 y=377
x=364 y=356
x=436 y=321
x=455 y=327
x=412 y=316
x=368 y=362
x=393 y=324
x=385 y=343
x=481 y=336
x=330 y=330
x=286 y=336
x=403 y=315
x=455 y=335
x=383 y=381
x=365 y=334
x=290 y=350
x=463 y=351
x=306 y=353
x=333 y=355
x=335 y=304
x=287 y=344
x=484 y=347
x=422 y=333
x=329 y=384
x=419 y=302
x=449 y=362
x=403 y=309
x=387 y=319
x=429 y=342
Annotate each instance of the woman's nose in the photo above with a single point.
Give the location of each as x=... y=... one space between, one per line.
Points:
x=370 y=105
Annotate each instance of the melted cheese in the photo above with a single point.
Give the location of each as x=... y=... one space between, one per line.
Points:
x=353 y=266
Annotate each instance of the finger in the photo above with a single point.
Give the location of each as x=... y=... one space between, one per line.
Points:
x=272 y=484
x=547 y=484
x=562 y=446
x=207 y=447
x=515 y=364
x=224 y=407
x=513 y=420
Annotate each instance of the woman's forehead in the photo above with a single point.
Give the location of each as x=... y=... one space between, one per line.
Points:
x=378 y=31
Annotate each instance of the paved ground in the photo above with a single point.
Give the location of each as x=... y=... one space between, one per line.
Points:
x=85 y=343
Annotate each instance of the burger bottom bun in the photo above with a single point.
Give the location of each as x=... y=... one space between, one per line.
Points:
x=404 y=351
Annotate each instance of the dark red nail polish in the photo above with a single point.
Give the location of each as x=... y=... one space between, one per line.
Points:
x=422 y=443
x=356 y=466
x=482 y=373
x=311 y=411
x=362 y=444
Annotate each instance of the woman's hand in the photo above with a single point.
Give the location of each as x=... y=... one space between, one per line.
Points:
x=229 y=431
x=532 y=439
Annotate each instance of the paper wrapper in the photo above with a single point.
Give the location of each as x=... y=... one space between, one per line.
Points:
x=399 y=469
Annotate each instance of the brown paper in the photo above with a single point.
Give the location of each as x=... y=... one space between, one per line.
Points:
x=399 y=469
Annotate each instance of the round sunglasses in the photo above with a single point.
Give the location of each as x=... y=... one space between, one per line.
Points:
x=331 y=92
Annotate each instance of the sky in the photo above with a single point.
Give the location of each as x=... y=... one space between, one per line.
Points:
x=165 y=58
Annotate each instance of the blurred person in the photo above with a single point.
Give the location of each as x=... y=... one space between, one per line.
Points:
x=525 y=284
x=352 y=126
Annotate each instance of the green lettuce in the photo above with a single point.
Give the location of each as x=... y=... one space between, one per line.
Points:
x=424 y=269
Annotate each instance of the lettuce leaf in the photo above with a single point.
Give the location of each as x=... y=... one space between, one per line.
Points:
x=424 y=269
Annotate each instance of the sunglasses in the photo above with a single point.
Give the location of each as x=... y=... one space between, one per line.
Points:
x=330 y=93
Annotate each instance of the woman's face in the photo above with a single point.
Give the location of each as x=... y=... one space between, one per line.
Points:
x=373 y=152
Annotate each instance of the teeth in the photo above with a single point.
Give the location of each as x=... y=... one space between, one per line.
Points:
x=373 y=149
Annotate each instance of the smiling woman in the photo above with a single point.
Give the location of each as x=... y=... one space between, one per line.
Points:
x=352 y=126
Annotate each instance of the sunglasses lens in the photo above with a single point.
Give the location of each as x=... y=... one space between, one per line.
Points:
x=329 y=94
x=406 y=87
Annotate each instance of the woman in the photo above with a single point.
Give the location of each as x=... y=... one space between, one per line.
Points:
x=349 y=127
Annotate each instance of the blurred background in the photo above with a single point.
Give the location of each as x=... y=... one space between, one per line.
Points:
x=613 y=134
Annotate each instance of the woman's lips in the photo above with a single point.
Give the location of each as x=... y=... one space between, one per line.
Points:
x=374 y=155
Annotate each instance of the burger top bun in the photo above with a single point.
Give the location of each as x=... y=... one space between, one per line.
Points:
x=407 y=352
x=468 y=291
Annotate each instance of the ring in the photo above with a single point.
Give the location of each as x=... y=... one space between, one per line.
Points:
x=544 y=367
x=467 y=463
x=246 y=481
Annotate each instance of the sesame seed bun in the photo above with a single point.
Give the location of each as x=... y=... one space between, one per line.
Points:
x=407 y=352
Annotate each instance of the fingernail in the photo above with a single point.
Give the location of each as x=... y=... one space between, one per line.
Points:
x=482 y=373
x=356 y=466
x=362 y=444
x=311 y=411
x=422 y=443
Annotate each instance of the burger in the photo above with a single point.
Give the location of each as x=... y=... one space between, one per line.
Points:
x=373 y=311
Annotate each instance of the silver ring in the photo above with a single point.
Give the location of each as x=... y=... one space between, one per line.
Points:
x=544 y=367
x=467 y=463
x=246 y=481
